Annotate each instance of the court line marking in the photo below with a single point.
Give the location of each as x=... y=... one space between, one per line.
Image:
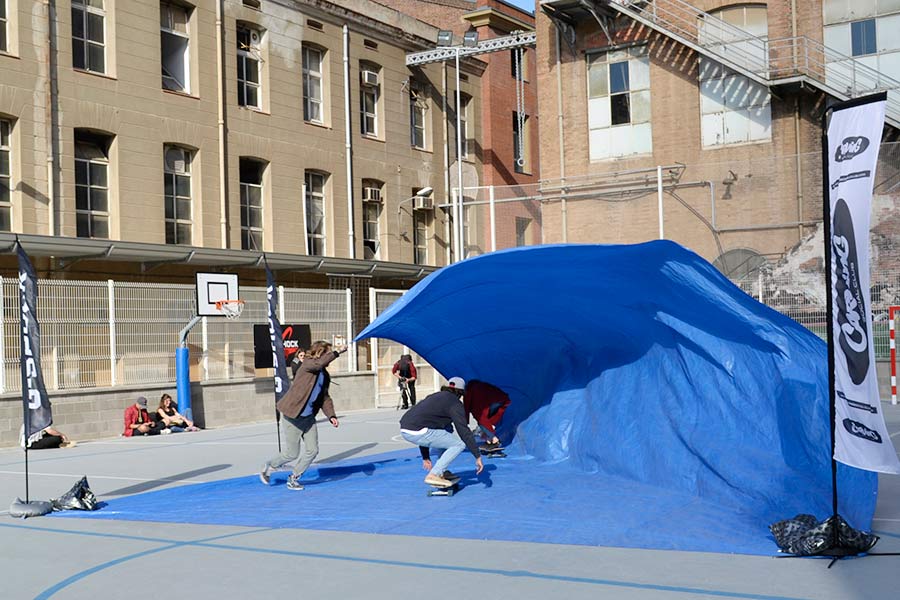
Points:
x=207 y=543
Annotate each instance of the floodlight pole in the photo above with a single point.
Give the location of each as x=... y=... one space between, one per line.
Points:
x=460 y=251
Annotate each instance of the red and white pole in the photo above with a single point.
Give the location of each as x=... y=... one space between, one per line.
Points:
x=891 y=312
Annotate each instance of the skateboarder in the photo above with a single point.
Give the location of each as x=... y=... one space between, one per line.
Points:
x=486 y=403
x=428 y=425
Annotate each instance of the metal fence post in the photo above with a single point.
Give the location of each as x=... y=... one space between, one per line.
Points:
x=111 y=287
x=493 y=219
x=351 y=366
x=762 y=296
x=281 y=304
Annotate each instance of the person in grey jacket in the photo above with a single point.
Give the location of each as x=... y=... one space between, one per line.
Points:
x=307 y=395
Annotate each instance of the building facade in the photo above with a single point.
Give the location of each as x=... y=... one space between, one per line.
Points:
x=698 y=122
x=289 y=127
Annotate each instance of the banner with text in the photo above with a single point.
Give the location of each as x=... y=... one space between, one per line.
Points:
x=37 y=412
x=276 y=338
x=852 y=141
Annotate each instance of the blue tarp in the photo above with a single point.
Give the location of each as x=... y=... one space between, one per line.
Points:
x=644 y=365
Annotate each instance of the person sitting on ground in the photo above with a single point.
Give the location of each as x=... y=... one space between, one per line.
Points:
x=48 y=437
x=428 y=425
x=298 y=407
x=486 y=403
x=405 y=372
x=171 y=418
x=138 y=421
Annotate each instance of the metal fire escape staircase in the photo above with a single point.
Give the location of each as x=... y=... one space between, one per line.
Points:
x=771 y=62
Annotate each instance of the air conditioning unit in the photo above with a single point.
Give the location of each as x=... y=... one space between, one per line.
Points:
x=371 y=194
x=370 y=78
x=423 y=203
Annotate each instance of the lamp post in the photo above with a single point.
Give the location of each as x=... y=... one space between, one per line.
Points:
x=423 y=193
x=470 y=40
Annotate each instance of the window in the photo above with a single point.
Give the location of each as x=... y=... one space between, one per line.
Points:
x=420 y=237
x=248 y=67
x=315 y=213
x=177 y=186
x=3 y=21
x=369 y=93
x=862 y=37
x=733 y=108
x=174 y=46
x=251 y=173
x=91 y=185
x=372 y=206
x=312 y=85
x=618 y=103
x=89 y=35
x=5 y=178
x=417 y=111
x=520 y=143
x=464 y=123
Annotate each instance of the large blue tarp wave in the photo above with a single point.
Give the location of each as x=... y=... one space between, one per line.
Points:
x=643 y=364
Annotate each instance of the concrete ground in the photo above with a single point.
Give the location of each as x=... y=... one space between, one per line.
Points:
x=93 y=559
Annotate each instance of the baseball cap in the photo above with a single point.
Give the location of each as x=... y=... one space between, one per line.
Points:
x=142 y=402
x=457 y=382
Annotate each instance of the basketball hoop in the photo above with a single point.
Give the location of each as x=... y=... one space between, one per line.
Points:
x=230 y=309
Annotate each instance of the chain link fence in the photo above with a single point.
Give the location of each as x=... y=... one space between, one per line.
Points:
x=106 y=333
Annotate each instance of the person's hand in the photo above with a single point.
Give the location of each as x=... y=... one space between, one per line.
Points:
x=334 y=422
x=479 y=466
x=426 y=464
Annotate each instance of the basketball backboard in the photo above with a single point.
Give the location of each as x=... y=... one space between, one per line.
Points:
x=215 y=287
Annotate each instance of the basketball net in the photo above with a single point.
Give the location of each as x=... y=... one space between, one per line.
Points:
x=230 y=309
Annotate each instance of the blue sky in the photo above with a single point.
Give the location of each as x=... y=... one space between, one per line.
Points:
x=526 y=4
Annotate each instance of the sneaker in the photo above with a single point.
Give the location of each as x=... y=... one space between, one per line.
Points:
x=437 y=481
x=293 y=483
x=264 y=475
x=166 y=431
x=450 y=476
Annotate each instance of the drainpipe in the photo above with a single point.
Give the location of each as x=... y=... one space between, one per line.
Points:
x=561 y=136
x=799 y=174
x=348 y=143
x=50 y=115
x=223 y=131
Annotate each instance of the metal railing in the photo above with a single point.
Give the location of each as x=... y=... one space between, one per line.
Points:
x=768 y=61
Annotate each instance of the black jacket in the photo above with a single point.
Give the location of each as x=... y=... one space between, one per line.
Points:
x=438 y=411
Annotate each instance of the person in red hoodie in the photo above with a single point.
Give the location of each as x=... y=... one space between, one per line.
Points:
x=405 y=372
x=486 y=403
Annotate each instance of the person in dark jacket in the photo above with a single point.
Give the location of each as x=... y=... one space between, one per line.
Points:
x=428 y=425
x=405 y=372
x=307 y=395
x=486 y=403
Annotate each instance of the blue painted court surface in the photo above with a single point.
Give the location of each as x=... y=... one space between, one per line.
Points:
x=513 y=499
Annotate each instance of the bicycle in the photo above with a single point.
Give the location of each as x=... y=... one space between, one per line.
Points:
x=403 y=386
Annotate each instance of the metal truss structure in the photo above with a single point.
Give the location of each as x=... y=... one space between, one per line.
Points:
x=514 y=40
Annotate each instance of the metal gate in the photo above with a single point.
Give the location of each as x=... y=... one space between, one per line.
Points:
x=386 y=352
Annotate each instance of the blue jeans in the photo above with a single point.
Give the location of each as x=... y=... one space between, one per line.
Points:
x=449 y=443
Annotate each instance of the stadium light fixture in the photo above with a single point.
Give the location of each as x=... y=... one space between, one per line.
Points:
x=470 y=39
x=444 y=38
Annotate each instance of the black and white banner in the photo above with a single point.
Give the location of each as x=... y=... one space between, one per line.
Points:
x=34 y=395
x=853 y=138
x=276 y=336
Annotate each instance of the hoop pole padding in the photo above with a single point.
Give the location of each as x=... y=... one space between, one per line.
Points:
x=183 y=382
x=891 y=312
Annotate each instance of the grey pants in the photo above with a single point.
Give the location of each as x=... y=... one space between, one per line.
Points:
x=294 y=431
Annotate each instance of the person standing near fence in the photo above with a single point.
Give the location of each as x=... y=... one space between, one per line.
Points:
x=307 y=395
x=405 y=372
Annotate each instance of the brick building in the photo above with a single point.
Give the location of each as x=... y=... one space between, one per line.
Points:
x=509 y=160
x=725 y=97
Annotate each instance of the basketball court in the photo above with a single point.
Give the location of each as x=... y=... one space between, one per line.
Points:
x=62 y=557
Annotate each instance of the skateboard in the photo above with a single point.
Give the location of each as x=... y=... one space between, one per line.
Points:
x=444 y=491
x=495 y=453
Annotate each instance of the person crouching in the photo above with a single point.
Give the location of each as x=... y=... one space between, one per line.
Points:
x=428 y=425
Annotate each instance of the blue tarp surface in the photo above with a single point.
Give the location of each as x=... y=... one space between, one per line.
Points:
x=643 y=367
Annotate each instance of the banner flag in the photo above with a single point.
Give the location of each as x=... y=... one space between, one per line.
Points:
x=852 y=140
x=276 y=338
x=34 y=395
